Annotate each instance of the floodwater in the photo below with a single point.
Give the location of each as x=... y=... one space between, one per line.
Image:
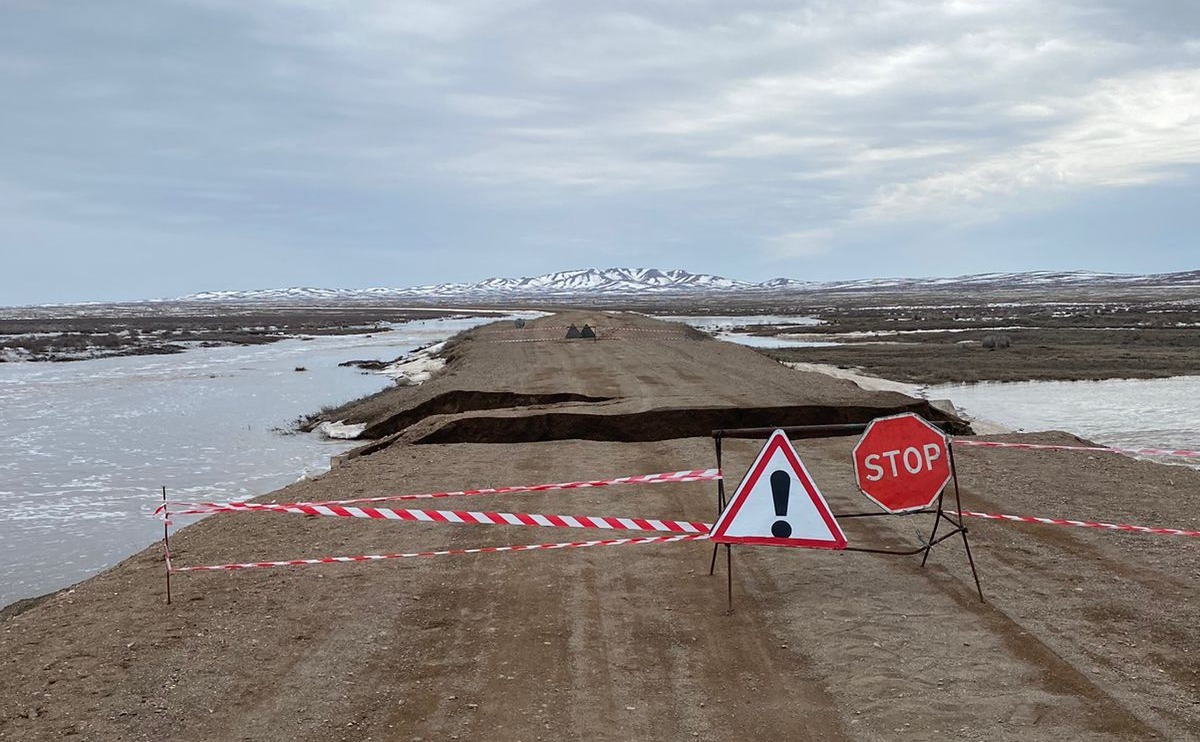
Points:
x=85 y=446
x=770 y=341
x=1136 y=413
x=1133 y=413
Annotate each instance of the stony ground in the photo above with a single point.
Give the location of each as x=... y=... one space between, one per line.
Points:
x=72 y=334
x=948 y=342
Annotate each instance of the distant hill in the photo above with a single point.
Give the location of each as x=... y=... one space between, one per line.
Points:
x=597 y=283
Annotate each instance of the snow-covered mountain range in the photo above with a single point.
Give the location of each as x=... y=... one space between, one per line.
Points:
x=595 y=283
x=589 y=281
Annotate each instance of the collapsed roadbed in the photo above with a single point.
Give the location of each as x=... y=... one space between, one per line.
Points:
x=640 y=380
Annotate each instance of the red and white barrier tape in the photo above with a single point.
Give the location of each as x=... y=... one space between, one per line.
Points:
x=675 y=477
x=471 y=517
x=1079 y=523
x=629 y=524
x=1094 y=449
x=445 y=552
x=628 y=541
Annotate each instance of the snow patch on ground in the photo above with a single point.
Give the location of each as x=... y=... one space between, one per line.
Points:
x=712 y=323
x=417 y=368
x=341 y=431
x=869 y=383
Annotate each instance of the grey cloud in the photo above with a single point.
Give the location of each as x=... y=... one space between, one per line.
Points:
x=792 y=132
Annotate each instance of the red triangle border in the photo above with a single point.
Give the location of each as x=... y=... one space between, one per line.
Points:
x=777 y=441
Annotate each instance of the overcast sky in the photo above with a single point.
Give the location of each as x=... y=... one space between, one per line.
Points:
x=161 y=147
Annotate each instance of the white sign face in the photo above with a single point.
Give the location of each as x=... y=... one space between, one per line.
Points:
x=778 y=504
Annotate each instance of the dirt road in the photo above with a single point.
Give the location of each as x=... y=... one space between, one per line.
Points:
x=1086 y=635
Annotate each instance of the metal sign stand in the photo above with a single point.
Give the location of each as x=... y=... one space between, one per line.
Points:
x=959 y=526
x=712 y=566
x=956 y=523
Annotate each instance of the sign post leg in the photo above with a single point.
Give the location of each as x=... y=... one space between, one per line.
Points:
x=937 y=520
x=712 y=565
x=729 y=576
x=962 y=528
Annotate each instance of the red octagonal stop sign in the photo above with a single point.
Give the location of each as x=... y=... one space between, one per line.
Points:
x=901 y=463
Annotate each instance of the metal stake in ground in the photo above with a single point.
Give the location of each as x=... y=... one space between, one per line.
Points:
x=166 y=542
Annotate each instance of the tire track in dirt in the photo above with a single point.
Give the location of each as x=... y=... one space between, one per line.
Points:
x=989 y=631
x=1097 y=623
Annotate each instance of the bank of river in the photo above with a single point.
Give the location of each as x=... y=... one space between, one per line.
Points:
x=85 y=446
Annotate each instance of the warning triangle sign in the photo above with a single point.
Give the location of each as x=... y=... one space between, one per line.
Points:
x=778 y=504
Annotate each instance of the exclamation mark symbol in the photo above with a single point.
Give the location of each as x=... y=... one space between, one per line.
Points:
x=781 y=484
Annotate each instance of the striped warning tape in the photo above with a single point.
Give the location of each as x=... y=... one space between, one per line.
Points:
x=627 y=541
x=445 y=552
x=670 y=477
x=673 y=477
x=619 y=523
x=471 y=517
x=1079 y=523
x=1095 y=449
